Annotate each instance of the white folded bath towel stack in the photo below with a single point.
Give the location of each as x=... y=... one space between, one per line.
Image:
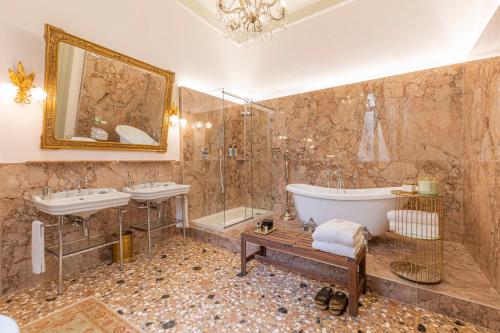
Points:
x=414 y=223
x=340 y=237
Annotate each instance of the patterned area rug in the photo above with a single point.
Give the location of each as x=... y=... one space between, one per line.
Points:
x=88 y=315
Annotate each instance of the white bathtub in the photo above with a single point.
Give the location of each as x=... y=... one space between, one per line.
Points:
x=367 y=207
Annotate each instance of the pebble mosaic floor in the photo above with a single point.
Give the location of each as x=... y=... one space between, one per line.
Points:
x=194 y=287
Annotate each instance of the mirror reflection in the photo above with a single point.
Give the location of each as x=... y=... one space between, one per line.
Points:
x=102 y=99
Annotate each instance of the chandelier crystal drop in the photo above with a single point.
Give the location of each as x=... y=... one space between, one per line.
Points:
x=251 y=19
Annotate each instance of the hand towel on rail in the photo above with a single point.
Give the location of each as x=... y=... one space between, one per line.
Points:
x=38 y=247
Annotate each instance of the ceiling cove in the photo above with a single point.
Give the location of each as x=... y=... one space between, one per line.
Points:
x=298 y=11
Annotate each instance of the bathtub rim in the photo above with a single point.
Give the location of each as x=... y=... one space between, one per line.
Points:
x=374 y=193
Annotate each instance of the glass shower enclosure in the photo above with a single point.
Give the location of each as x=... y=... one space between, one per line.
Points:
x=226 y=157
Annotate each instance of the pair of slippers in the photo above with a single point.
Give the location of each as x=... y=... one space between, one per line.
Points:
x=327 y=299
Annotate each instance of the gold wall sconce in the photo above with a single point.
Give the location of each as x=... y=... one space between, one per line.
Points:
x=175 y=118
x=21 y=87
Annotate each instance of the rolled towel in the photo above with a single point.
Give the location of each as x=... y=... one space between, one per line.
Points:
x=339 y=232
x=412 y=216
x=37 y=247
x=338 y=249
x=416 y=230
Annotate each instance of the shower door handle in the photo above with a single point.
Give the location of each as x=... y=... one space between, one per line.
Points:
x=220 y=171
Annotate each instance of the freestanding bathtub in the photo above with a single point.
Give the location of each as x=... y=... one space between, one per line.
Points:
x=367 y=207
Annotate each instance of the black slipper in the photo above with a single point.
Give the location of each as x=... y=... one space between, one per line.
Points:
x=323 y=297
x=338 y=303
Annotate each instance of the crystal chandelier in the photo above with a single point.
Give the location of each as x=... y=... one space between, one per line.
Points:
x=251 y=19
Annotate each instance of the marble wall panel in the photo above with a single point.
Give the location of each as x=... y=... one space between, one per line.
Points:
x=23 y=180
x=482 y=165
x=383 y=132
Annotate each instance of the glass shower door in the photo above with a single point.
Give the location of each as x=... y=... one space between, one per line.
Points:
x=203 y=155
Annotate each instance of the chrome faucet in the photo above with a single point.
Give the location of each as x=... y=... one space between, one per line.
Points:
x=328 y=173
x=79 y=182
x=338 y=172
x=340 y=180
x=130 y=181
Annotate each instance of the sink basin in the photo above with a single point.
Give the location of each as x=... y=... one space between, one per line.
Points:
x=156 y=191
x=85 y=203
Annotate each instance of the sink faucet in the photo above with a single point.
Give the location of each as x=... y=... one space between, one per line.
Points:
x=154 y=179
x=79 y=182
x=130 y=181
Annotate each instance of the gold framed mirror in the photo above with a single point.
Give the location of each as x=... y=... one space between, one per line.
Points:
x=101 y=99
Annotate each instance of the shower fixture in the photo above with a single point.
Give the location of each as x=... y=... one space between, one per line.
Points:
x=204 y=153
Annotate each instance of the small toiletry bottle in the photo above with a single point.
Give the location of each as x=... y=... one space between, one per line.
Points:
x=235 y=151
x=230 y=151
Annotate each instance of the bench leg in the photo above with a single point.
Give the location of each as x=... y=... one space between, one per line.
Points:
x=362 y=275
x=263 y=251
x=243 y=258
x=352 y=288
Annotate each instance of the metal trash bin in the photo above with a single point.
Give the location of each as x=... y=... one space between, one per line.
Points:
x=127 y=247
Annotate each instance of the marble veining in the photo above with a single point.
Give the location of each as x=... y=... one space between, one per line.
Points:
x=21 y=181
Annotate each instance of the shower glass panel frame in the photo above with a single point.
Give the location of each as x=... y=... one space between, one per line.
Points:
x=219 y=157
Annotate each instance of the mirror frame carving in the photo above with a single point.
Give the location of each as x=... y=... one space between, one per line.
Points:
x=53 y=36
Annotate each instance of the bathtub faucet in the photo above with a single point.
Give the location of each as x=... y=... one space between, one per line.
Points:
x=335 y=163
x=328 y=173
x=340 y=180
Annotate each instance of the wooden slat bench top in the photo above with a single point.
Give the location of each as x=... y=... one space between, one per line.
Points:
x=300 y=244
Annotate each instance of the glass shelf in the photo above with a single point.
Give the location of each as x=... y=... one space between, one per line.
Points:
x=83 y=245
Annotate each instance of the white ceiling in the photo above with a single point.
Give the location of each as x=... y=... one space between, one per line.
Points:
x=360 y=40
x=292 y=5
x=354 y=41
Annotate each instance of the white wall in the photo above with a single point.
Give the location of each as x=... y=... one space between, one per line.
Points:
x=158 y=32
x=360 y=40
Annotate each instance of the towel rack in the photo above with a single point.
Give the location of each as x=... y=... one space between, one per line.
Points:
x=418 y=231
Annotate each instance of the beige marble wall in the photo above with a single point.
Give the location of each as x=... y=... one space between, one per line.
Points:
x=385 y=131
x=482 y=165
x=22 y=180
x=121 y=95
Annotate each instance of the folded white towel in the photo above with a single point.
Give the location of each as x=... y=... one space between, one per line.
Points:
x=338 y=231
x=417 y=230
x=412 y=216
x=338 y=249
x=37 y=247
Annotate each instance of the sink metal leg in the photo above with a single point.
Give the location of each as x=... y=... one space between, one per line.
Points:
x=60 y=257
x=158 y=212
x=148 y=203
x=184 y=216
x=120 y=223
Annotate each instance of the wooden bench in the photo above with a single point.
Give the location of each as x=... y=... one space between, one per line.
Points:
x=299 y=244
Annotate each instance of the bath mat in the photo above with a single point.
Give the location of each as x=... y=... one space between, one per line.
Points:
x=88 y=315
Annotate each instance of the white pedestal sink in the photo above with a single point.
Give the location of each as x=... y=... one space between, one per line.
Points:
x=158 y=192
x=82 y=203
